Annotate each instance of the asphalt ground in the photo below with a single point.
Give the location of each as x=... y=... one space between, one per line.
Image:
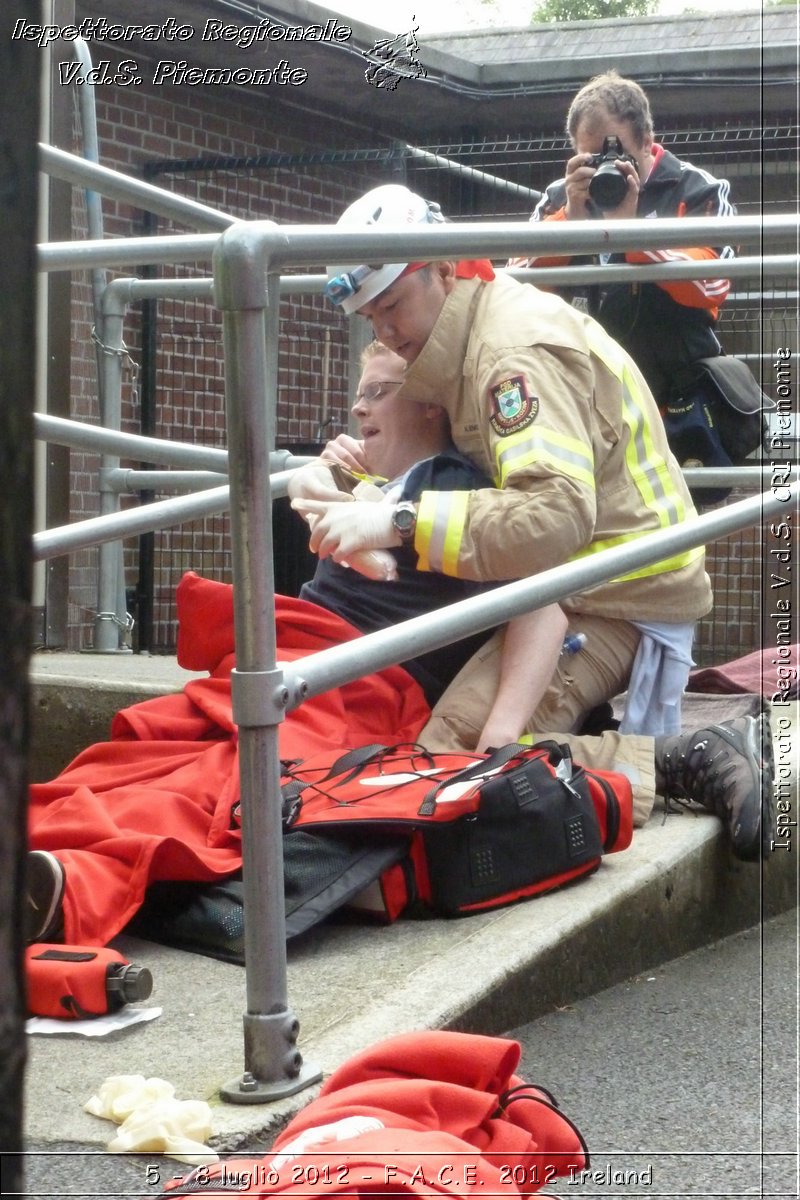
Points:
x=684 y=1078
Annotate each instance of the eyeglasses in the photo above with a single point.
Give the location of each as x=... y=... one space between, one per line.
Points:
x=374 y=391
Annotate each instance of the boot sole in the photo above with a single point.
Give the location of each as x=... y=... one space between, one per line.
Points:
x=767 y=785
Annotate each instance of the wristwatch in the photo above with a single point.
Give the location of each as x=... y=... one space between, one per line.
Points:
x=404 y=521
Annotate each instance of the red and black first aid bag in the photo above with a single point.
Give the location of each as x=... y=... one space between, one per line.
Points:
x=484 y=830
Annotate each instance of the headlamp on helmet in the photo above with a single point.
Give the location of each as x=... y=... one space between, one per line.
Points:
x=342 y=287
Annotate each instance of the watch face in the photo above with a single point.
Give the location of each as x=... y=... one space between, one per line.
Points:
x=405 y=520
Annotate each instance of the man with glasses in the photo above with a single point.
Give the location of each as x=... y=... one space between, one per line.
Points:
x=402 y=450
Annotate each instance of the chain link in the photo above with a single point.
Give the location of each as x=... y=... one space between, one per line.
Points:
x=123 y=353
x=125 y=625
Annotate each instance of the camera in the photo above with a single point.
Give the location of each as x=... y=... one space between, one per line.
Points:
x=608 y=185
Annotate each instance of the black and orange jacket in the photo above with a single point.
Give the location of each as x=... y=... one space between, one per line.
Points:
x=665 y=326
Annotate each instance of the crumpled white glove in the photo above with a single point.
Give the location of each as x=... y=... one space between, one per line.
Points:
x=151 y=1120
x=119 y=1095
x=178 y=1128
x=340 y=531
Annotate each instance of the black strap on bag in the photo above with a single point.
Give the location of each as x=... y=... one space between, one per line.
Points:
x=346 y=767
x=352 y=761
x=496 y=760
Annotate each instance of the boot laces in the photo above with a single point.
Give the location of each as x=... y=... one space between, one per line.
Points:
x=698 y=777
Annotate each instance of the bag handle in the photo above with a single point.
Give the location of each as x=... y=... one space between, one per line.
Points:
x=496 y=759
x=353 y=761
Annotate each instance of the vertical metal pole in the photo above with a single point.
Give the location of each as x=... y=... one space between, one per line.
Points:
x=145 y=584
x=274 y=1066
x=110 y=623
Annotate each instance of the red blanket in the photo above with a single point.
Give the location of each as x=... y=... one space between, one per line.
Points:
x=154 y=802
x=431 y=1114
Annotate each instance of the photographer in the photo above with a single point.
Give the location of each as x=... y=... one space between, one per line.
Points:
x=618 y=172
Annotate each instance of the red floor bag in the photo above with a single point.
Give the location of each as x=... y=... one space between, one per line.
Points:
x=485 y=830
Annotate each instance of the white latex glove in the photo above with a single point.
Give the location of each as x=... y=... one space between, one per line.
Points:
x=151 y=1120
x=339 y=531
x=373 y=564
x=120 y=1095
x=315 y=481
x=178 y=1128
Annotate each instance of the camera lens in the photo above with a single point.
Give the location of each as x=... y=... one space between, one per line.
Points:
x=608 y=186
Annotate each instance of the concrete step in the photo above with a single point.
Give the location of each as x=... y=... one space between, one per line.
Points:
x=351 y=985
x=74 y=697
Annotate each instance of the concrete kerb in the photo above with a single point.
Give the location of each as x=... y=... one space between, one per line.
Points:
x=75 y=696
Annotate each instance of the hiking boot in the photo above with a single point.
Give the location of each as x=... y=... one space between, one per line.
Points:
x=45 y=884
x=728 y=769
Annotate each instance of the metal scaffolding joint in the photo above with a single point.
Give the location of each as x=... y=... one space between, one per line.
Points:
x=259 y=698
x=275 y=1067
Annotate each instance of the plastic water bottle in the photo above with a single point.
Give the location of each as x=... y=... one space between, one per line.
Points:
x=573 y=642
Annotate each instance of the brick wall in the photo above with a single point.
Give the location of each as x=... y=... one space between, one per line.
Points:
x=135 y=128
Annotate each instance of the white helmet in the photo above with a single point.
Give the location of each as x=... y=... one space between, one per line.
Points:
x=391 y=206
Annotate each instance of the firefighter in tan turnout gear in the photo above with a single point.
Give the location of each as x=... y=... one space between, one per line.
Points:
x=559 y=416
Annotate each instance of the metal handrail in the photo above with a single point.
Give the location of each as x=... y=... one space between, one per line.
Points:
x=303 y=245
x=328 y=669
x=77 y=434
x=70 y=168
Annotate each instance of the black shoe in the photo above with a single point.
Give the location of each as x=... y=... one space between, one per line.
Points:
x=728 y=768
x=45 y=884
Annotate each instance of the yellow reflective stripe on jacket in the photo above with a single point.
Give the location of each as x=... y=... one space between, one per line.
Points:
x=674 y=563
x=530 y=446
x=441 y=517
x=647 y=467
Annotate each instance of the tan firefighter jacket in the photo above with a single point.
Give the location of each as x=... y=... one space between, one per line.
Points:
x=560 y=417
